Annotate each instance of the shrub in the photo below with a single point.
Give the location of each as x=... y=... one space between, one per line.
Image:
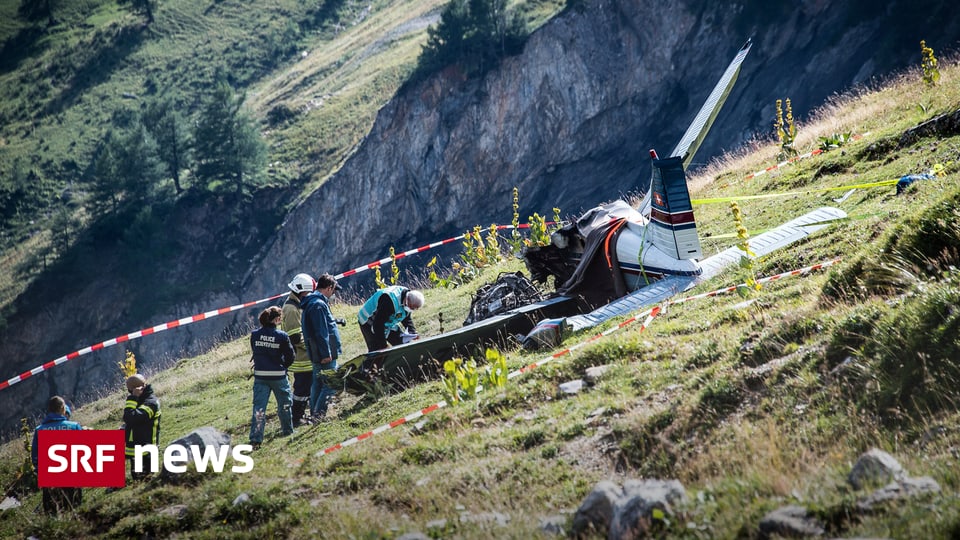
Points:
x=916 y=348
x=720 y=397
x=853 y=332
x=931 y=74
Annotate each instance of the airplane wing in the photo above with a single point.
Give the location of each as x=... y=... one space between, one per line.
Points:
x=550 y=332
x=421 y=359
x=656 y=292
x=772 y=240
x=698 y=129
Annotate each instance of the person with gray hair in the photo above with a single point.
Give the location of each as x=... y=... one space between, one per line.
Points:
x=385 y=317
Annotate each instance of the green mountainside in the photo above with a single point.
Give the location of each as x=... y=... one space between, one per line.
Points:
x=78 y=77
x=752 y=402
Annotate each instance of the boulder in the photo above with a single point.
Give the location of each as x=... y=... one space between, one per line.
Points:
x=875 y=468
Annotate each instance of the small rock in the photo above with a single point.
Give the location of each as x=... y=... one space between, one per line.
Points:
x=668 y=491
x=875 y=467
x=572 y=387
x=437 y=524
x=9 y=503
x=790 y=521
x=644 y=503
x=416 y=535
x=596 y=511
x=485 y=517
x=593 y=374
x=178 y=511
x=901 y=489
x=554 y=525
x=242 y=498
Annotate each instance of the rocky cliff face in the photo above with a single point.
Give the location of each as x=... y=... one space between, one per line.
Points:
x=568 y=122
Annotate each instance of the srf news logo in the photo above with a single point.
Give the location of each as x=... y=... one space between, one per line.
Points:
x=96 y=458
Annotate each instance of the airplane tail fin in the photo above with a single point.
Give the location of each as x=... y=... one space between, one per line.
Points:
x=674 y=229
x=697 y=131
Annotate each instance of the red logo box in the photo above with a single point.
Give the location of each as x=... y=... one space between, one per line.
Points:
x=80 y=458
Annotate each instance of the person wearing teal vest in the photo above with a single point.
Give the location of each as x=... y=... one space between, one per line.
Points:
x=385 y=316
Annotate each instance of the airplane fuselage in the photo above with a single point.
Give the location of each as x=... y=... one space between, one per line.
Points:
x=641 y=262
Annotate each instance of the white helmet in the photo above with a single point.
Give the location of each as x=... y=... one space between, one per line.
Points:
x=302 y=283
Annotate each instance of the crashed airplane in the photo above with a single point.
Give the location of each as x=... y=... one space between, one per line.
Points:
x=615 y=259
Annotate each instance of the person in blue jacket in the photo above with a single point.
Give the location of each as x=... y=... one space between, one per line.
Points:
x=57 y=418
x=272 y=355
x=322 y=338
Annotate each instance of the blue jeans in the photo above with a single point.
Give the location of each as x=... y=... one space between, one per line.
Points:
x=261 y=395
x=321 y=392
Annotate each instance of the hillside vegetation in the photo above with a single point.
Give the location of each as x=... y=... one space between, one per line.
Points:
x=79 y=79
x=751 y=403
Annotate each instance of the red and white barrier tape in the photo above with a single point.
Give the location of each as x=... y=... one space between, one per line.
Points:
x=649 y=314
x=210 y=314
x=816 y=152
x=421 y=249
x=725 y=290
x=131 y=336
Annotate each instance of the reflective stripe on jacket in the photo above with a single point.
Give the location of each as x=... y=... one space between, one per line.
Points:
x=291 y=325
x=272 y=352
x=395 y=293
x=141 y=419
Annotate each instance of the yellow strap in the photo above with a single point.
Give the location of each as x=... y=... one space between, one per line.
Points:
x=715 y=200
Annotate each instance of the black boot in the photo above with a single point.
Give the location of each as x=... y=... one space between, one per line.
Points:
x=298 y=408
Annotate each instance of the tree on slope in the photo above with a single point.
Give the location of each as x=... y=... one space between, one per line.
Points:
x=169 y=129
x=474 y=34
x=145 y=7
x=227 y=145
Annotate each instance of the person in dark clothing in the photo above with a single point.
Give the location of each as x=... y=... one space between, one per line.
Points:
x=57 y=418
x=272 y=355
x=385 y=317
x=322 y=338
x=141 y=420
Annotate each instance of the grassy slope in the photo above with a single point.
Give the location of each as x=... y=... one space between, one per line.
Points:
x=684 y=400
x=57 y=99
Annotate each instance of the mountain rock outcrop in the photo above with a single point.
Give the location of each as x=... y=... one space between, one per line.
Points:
x=569 y=122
